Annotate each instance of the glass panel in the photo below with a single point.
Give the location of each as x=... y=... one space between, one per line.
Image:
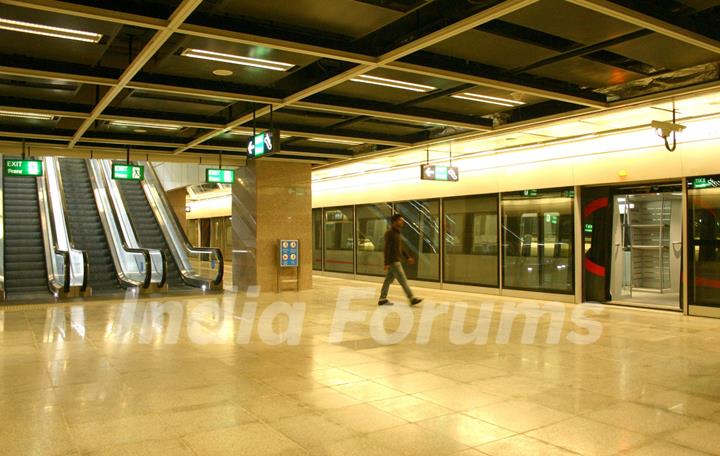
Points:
x=471 y=240
x=538 y=240
x=372 y=222
x=422 y=237
x=317 y=239
x=705 y=247
x=339 y=239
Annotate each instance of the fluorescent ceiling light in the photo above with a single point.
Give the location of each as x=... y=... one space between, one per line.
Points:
x=124 y=123
x=335 y=141
x=488 y=99
x=237 y=59
x=393 y=83
x=46 y=30
x=26 y=115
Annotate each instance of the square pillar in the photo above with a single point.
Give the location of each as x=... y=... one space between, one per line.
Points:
x=271 y=200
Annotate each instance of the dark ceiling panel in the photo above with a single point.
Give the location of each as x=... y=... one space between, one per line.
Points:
x=383 y=127
x=344 y=17
x=563 y=19
x=490 y=49
x=664 y=52
x=586 y=73
x=171 y=103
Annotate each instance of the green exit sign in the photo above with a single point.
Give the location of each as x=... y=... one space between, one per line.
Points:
x=128 y=172
x=219 y=176
x=588 y=228
x=32 y=168
x=532 y=192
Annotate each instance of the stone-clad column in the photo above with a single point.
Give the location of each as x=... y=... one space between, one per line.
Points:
x=271 y=201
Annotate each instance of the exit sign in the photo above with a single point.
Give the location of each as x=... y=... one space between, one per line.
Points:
x=704 y=182
x=264 y=144
x=32 y=168
x=439 y=173
x=128 y=172
x=219 y=176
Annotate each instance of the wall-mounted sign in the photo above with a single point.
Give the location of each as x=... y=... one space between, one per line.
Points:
x=128 y=172
x=219 y=176
x=264 y=144
x=588 y=228
x=704 y=182
x=439 y=173
x=289 y=253
x=32 y=168
x=530 y=192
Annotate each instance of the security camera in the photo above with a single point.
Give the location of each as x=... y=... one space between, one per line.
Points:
x=665 y=129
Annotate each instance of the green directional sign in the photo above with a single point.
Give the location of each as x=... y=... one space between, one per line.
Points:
x=704 y=182
x=219 y=176
x=128 y=172
x=588 y=228
x=32 y=168
x=532 y=192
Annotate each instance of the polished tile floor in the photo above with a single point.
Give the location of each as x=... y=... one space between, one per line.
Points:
x=205 y=376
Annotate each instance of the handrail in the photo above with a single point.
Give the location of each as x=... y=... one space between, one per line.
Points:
x=150 y=171
x=66 y=268
x=164 y=269
x=86 y=271
x=145 y=252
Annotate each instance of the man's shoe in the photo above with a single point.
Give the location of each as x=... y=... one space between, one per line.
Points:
x=415 y=301
x=384 y=302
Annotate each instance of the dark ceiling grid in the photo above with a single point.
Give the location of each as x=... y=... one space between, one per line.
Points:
x=677 y=24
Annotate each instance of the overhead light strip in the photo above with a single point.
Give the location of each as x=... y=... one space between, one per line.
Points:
x=488 y=99
x=26 y=115
x=46 y=30
x=123 y=123
x=335 y=141
x=237 y=59
x=393 y=83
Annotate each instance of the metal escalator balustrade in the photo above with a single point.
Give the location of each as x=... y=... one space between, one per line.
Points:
x=85 y=225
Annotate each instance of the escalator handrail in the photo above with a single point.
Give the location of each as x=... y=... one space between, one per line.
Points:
x=183 y=236
x=66 y=268
x=164 y=269
x=123 y=239
x=86 y=271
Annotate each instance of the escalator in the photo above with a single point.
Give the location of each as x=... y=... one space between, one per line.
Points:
x=85 y=225
x=148 y=230
x=25 y=267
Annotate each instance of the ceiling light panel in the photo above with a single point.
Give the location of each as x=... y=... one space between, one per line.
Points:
x=394 y=83
x=507 y=102
x=335 y=141
x=123 y=123
x=237 y=59
x=46 y=30
x=26 y=115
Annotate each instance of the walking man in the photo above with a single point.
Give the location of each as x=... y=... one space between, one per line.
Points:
x=394 y=253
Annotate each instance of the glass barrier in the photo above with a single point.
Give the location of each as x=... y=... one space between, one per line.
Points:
x=317 y=239
x=373 y=220
x=339 y=239
x=422 y=237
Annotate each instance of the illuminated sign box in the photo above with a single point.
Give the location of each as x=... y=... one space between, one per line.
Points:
x=128 y=172
x=31 y=168
x=219 y=176
x=704 y=182
x=264 y=144
x=439 y=173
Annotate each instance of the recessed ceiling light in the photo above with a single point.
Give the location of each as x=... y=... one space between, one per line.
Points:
x=393 y=83
x=488 y=99
x=46 y=30
x=220 y=72
x=26 y=115
x=140 y=130
x=335 y=141
x=124 y=123
x=237 y=59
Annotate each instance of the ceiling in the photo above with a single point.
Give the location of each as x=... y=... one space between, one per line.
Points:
x=340 y=78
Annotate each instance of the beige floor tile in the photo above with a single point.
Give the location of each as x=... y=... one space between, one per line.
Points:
x=133 y=429
x=310 y=431
x=416 y=382
x=363 y=418
x=522 y=445
x=42 y=433
x=572 y=400
x=377 y=370
x=663 y=449
x=464 y=429
x=368 y=391
x=518 y=415
x=195 y=419
x=292 y=384
x=413 y=440
x=467 y=372
x=325 y=398
x=640 y=418
x=150 y=448
x=254 y=438
x=588 y=437
x=272 y=408
x=461 y=397
x=702 y=436
x=679 y=402
x=411 y=408
x=334 y=376
x=355 y=446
